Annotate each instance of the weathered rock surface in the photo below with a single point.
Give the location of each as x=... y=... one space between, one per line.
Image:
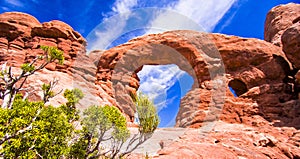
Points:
x=291 y=43
x=278 y=20
x=227 y=141
x=262 y=122
x=20 y=38
x=255 y=59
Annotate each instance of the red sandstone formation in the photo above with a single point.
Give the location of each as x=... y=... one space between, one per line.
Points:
x=291 y=43
x=235 y=141
x=261 y=73
x=262 y=122
x=248 y=64
x=20 y=38
x=279 y=19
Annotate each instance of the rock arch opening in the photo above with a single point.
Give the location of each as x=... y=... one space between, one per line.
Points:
x=237 y=87
x=193 y=53
x=165 y=85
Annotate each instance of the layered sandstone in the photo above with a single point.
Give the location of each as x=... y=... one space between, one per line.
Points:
x=20 y=37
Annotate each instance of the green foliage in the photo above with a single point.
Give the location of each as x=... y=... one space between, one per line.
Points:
x=33 y=130
x=53 y=54
x=46 y=88
x=26 y=67
x=102 y=123
x=96 y=122
x=147 y=114
x=73 y=96
x=79 y=148
x=116 y=121
x=36 y=130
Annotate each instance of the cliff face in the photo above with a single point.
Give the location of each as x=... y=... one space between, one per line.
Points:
x=262 y=122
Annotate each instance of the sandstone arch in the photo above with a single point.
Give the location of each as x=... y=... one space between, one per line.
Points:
x=200 y=59
x=249 y=60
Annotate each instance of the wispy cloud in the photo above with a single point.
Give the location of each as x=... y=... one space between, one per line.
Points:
x=112 y=26
x=200 y=15
x=167 y=19
x=123 y=6
x=157 y=80
x=16 y=3
x=5 y=9
x=205 y=13
x=235 y=8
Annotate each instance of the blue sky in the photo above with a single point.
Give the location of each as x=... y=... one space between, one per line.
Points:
x=106 y=23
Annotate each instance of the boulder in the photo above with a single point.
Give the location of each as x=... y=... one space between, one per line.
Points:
x=291 y=44
x=278 y=20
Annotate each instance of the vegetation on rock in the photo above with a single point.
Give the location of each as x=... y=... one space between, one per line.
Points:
x=31 y=129
x=13 y=84
x=105 y=132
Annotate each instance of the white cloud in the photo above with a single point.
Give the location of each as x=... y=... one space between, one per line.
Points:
x=112 y=26
x=236 y=7
x=156 y=80
x=199 y=15
x=205 y=13
x=166 y=20
x=164 y=103
x=123 y=6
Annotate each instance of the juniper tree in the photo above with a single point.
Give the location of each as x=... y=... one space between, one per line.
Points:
x=29 y=129
x=33 y=130
x=105 y=132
